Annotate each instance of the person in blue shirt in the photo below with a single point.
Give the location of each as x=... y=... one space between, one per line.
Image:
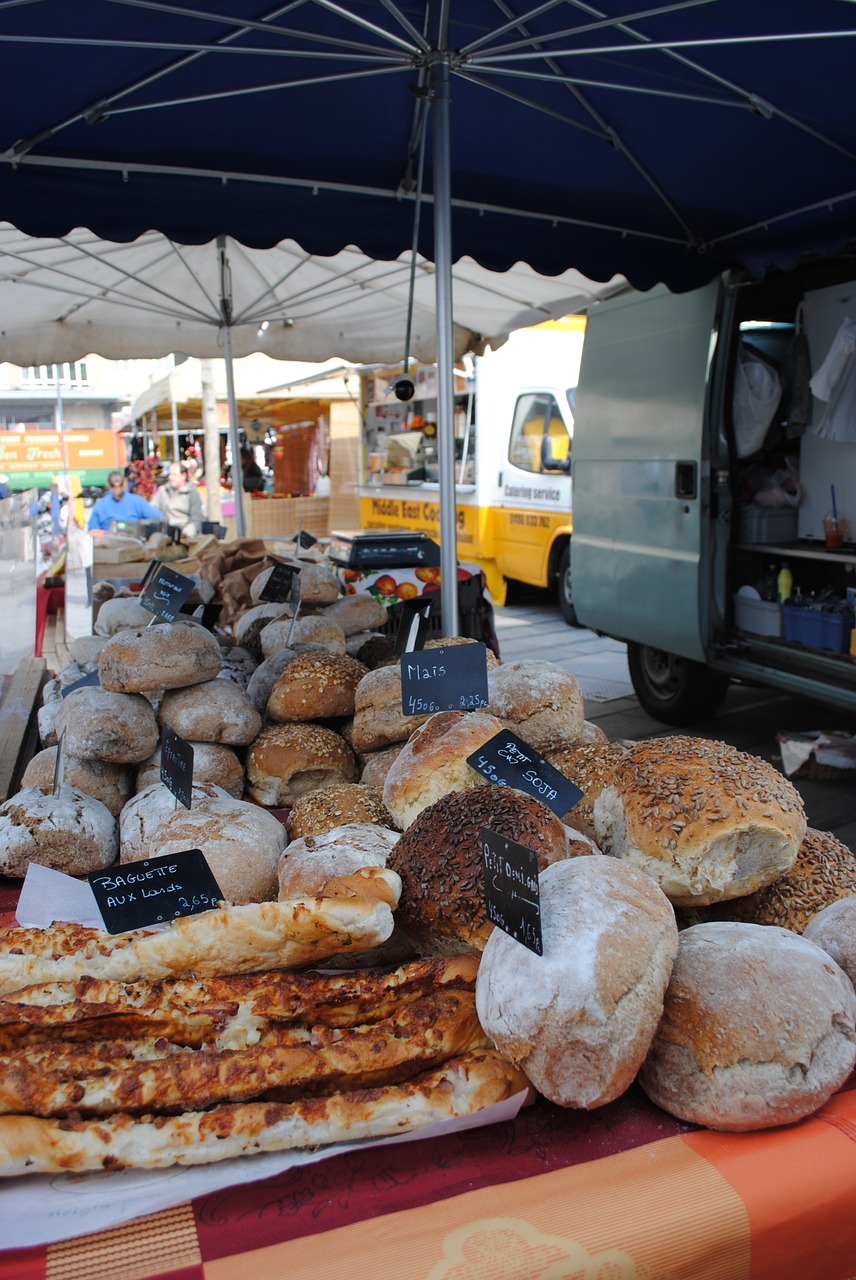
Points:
x=5 y=491
x=118 y=504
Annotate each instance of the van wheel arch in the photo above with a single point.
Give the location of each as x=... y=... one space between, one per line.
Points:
x=675 y=690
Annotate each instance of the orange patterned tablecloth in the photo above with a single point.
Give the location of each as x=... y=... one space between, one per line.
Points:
x=611 y=1195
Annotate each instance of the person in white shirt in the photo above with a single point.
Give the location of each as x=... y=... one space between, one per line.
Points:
x=179 y=501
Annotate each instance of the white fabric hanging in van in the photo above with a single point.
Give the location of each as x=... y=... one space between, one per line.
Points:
x=835 y=382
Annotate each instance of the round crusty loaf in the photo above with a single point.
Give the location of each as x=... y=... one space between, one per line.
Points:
x=446 y=642
x=287 y=761
x=146 y=810
x=84 y=650
x=241 y=843
x=112 y=784
x=69 y=831
x=439 y=859
x=379 y=720
x=217 y=711
x=312 y=630
x=168 y=656
x=316 y=685
x=708 y=822
x=834 y=929
x=540 y=701
x=265 y=677
x=356 y=613
x=121 y=613
x=333 y=806
x=593 y=733
x=433 y=762
x=311 y=862
x=590 y=766
x=758 y=1029
x=212 y=762
x=824 y=871
x=318 y=585
x=249 y=625
x=101 y=725
x=580 y=1018
x=239 y=665
x=377 y=764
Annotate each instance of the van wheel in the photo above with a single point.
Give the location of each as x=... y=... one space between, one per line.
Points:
x=672 y=689
x=566 y=599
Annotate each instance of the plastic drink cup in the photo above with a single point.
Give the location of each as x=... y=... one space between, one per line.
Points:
x=833 y=532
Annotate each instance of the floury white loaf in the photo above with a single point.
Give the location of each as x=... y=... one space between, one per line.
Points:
x=580 y=1018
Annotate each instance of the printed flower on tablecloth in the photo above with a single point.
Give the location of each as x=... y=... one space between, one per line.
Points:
x=513 y=1249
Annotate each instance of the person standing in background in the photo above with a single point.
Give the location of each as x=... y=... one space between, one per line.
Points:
x=179 y=502
x=5 y=491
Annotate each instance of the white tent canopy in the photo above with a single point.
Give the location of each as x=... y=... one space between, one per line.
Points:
x=61 y=299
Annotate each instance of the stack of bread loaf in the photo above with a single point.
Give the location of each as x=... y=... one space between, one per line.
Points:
x=673 y=895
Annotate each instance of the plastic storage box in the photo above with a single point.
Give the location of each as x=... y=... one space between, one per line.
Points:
x=818 y=630
x=761 y=617
x=768 y=524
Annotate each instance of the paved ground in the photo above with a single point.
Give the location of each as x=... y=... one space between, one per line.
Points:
x=531 y=626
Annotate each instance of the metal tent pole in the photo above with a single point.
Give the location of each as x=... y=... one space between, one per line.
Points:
x=237 y=475
x=445 y=346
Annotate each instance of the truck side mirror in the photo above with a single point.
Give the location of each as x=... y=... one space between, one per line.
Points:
x=548 y=462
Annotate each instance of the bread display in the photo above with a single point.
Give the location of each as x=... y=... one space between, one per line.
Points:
x=313 y=629
x=824 y=871
x=579 y=1019
x=333 y=806
x=589 y=765
x=100 y=725
x=708 y=822
x=170 y=655
x=379 y=720
x=212 y=762
x=433 y=762
x=70 y=831
x=112 y=784
x=216 y=711
x=241 y=843
x=539 y=701
x=287 y=761
x=758 y=1029
x=439 y=859
x=316 y=685
x=834 y=930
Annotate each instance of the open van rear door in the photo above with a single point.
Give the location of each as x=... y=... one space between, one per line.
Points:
x=641 y=557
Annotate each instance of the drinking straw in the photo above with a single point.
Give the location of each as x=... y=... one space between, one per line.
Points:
x=834 y=506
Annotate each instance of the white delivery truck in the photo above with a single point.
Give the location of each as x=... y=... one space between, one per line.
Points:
x=715 y=434
x=514 y=426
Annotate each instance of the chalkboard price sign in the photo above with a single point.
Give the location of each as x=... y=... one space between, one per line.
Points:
x=413 y=625
x=453 y=679
x=154 y=891
x=176 y=769
x=511 y=893
x=277 y=589
x=90 y=679
x=508 y=761
x=165 y=592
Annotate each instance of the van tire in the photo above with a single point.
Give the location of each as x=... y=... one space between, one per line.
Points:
x=673 y=689
x=566 y=599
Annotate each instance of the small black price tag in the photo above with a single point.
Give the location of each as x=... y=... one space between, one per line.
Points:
x=278 y=587
x=165 y=592
x=305 y=540
x=176 y=769
x=212 y=526
x=174 y=533
x=452 y=679
x=90 y=679
x=508 y=761
x=412 y=625
x=59 y=764
x=154 y=891
x=511 y=893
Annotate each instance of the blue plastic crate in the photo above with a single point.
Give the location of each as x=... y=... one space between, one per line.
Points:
x=818 y=630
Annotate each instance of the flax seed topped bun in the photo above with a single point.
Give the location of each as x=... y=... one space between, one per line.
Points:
x=580 y=1018
x=758 y=1029
x=439 y=859
x=316 y=685
x=834 y=929
x=101 y=725
x=378 y=718
x=287 y=761
x=590 y=766
x=540 y=701
x=217 y=711
x=433 y=762
x=824 y=871
x=708 y=822
x=168 y=656
x=333 y=806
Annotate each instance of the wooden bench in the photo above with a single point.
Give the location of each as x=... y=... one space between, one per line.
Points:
x=19 y=734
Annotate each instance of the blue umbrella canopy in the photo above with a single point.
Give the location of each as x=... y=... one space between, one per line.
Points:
x=664 y=143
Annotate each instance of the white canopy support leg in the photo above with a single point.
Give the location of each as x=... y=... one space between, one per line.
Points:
x=237 y=474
